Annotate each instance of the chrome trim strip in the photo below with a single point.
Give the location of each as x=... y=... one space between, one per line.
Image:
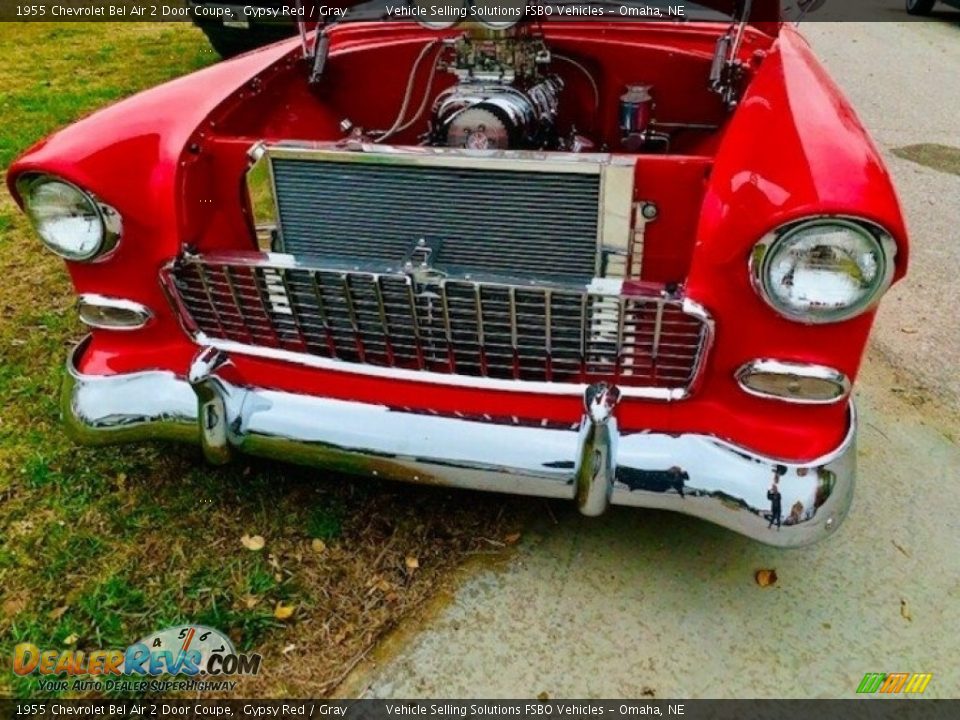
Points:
x=696 y=475
x=141 y=313
x=533 y=387
x=524 y=160
x=263 y=220
x=615 y=221
x=793 y=369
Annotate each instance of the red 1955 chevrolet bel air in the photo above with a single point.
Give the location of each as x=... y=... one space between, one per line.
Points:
x=610 y=260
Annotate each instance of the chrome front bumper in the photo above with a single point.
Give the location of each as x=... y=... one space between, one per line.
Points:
x=594 y=464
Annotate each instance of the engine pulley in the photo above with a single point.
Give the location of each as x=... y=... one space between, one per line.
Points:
x=484 y=116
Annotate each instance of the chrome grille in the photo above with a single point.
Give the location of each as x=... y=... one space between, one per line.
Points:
x=456 y=327
x=524 y=223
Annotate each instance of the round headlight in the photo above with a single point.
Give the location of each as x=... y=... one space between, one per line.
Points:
x=69 y=221
x=823 y=270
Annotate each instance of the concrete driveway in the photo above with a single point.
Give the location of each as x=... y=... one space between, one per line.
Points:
x=651 y=604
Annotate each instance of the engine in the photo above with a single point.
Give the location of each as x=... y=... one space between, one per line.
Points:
x=484 y=116
x=506 y=95
x=504 y=98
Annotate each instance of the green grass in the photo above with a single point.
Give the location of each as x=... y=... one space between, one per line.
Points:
x=77 y=522
x=101 y=546
x=323 y=523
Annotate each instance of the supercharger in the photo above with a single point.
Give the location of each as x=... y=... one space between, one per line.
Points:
x=491 y=115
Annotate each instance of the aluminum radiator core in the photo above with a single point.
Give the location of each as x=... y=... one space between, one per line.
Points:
x=481 y=218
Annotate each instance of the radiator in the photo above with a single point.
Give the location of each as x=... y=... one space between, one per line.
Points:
x=481 y=217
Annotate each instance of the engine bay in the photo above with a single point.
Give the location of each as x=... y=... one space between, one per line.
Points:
x=510 y=90
x=638 y=95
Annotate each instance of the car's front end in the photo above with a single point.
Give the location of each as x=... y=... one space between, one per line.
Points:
x=551 y=287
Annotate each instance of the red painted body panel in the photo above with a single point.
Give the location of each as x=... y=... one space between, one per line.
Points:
x=170 y=161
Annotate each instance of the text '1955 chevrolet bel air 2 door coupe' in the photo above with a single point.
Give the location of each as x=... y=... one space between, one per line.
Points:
x=612 y=260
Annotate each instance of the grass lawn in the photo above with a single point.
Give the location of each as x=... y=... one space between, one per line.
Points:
x=99 y=547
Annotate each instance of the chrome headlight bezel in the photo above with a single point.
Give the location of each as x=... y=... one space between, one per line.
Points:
x=768 y=249
x=111 y=225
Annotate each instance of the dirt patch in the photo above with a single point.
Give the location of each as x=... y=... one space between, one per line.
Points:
x=944 y=158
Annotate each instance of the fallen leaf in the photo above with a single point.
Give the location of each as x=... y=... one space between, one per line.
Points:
x=253 y=542
x=251 y=601
x=318 y=545
x=283 y=612
x=495 y=543
x=289 y=649
x=512 y=539
x=412 y=562
x=57 y=613
x=14 y=606
x=905 y=611
x=648 y=691
x=909 y=330
x=71 y=639
x=765 y=578
x=544 y=696
x=122 y=480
